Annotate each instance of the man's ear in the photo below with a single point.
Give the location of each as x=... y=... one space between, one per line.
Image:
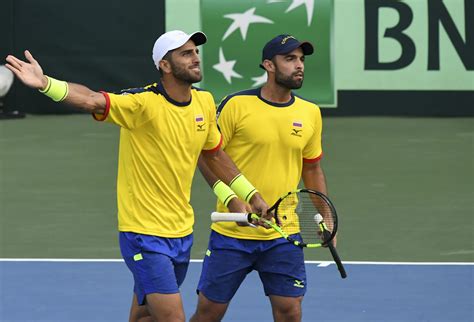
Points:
x=268 y=65
x=165 y=66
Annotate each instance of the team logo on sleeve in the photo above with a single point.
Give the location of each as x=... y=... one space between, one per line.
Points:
x=200 y=125
x=297 y=128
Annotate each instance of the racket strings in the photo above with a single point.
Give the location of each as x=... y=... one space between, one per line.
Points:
x=299 y=211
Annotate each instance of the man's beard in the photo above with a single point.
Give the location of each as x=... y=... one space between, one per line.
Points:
x=185 y=75
x=287 y=81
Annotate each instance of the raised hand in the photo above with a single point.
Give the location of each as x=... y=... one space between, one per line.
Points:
x=30 y=73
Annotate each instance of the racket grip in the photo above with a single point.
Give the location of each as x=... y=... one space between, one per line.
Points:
x=230 y=216
x=337 y=260
x=335 y=255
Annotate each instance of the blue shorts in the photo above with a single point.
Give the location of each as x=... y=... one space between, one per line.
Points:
x=228 y=260
x=158 y=264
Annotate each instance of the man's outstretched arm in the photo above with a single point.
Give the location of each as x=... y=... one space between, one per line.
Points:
x=79 y=96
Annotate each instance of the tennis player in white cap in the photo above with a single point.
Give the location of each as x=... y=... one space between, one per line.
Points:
x=164 y=128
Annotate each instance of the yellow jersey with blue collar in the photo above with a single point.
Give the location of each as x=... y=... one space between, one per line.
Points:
x=269 y=143
x=160 y=142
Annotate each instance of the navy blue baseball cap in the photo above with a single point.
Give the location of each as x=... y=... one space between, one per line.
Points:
x=284 y=44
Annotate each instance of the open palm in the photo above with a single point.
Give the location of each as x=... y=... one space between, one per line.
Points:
x=30 y=73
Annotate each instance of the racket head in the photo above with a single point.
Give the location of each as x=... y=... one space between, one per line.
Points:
x=301 y=210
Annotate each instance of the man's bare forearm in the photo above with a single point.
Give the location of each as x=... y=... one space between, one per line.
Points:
x=85 y=99
x=217 y=165
x=31 y=74
x=313 y=177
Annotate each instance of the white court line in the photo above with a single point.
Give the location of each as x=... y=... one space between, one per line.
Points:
x=319 y=263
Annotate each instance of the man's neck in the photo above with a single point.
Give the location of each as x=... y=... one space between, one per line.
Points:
x=177 y=90
x=275 y=93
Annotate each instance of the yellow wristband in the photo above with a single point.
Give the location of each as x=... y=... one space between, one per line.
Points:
x=242 y=187
x=56 y=90
x=223 y=192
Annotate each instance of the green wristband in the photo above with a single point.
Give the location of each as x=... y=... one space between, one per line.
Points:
x=223 y=192
x=242 y=187
x=56 y=90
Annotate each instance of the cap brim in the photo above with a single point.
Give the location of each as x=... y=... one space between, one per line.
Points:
x=199 y=38
x=305 y=46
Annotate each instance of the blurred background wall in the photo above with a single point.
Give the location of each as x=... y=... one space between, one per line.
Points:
x=385 y=57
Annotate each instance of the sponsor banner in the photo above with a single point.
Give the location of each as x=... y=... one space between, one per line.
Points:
x=404 y=45
x=238 y=30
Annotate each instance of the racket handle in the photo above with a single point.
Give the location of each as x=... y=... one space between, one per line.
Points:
x=337 y=260
x=230 y=216
x=335 y=255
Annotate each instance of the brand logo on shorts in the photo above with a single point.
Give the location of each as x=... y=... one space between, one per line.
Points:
x=299 y=284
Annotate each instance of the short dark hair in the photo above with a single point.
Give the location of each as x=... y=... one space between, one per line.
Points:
x=168 y=58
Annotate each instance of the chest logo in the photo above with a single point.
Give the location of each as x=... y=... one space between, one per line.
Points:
x=297 y=128
x=200 y=125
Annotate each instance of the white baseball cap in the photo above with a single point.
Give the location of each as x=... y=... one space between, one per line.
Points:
x=172 y=40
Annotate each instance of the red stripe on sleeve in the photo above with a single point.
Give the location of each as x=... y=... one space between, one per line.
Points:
x=102 y=117
x=313 y=160
x=216 y=148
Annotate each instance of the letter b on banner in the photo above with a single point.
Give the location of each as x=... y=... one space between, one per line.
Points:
x=372 y=60
x=438 y=15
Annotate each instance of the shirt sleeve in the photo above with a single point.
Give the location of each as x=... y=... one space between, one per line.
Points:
x=313 y=151
x=214 y=138
x=128 y=111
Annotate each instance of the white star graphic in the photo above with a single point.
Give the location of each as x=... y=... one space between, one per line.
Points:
x=242 y=22
x=309 y=4
x=226 y=67
x=259 y=80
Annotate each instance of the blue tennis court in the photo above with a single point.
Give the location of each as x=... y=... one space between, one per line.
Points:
x=70 y=290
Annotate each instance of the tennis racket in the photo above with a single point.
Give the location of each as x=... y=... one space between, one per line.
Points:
x=306 y=211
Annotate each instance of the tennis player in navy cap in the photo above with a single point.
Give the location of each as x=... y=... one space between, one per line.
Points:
x=274 y=137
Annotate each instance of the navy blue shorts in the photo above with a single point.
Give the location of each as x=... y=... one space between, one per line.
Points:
x=158 y=264
x=228 y=260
